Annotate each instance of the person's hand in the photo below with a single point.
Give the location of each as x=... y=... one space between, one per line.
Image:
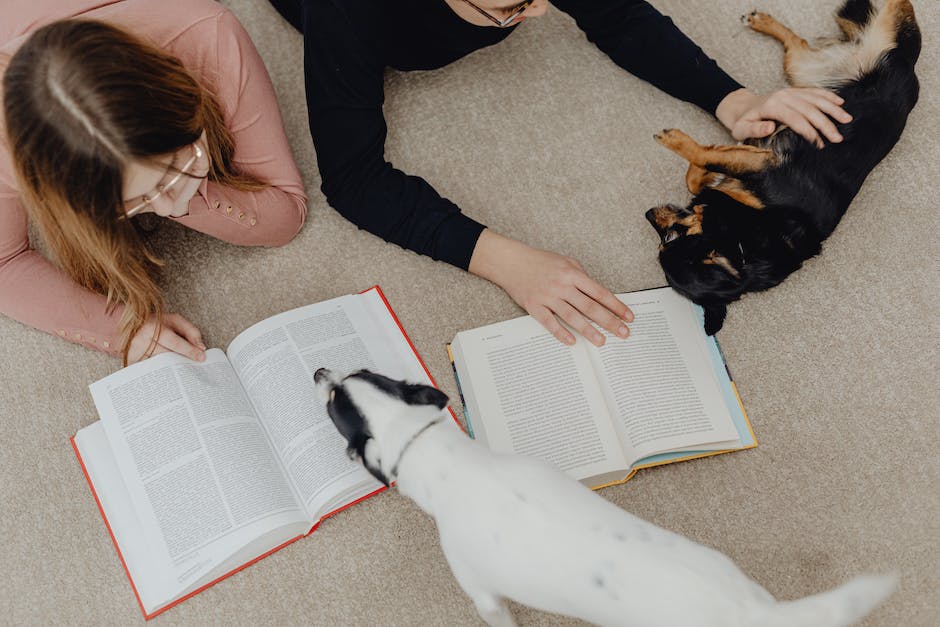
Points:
x=178 y=335
x=807 y=110
x=550 y=287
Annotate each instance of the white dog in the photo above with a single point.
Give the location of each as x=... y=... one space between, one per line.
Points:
x=513 y=527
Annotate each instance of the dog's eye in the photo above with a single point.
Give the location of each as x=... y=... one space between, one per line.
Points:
x=671 y=235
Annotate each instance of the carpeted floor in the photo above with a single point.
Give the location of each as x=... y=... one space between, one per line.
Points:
x=544 y=139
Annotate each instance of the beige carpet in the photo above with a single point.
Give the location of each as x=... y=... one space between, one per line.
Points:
x=545 y=139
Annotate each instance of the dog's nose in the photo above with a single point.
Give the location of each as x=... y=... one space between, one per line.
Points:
x=320 y=375
x=651 y=218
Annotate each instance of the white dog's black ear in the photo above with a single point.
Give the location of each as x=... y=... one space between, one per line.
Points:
x=368 y=455
x=417 y=394
x=372 y=460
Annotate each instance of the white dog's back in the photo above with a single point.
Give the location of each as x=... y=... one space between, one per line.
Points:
x=518 y=528
x=522 y=529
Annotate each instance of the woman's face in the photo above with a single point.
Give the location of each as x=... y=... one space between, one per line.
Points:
x=166 y=184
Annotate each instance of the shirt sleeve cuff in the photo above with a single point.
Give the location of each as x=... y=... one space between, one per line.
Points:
x=456 y=240
x=715 y=89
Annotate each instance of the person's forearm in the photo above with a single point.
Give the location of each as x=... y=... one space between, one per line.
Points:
x=483 y=262
x=38 y=294
x=648 y=45
x=344 y=78
x=267 y=217
x=401 y=209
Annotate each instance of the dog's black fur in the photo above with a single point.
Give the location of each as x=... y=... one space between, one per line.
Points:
x=736 y=248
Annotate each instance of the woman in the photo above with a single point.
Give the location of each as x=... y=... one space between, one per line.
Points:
x=348 y=45
x=135 y=106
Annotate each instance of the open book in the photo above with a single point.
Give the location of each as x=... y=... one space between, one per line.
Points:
x=662 y=395
x=200 y=469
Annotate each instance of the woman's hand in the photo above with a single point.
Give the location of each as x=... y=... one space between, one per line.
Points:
x=807 y=110
x=550 y=287
x=178 y=335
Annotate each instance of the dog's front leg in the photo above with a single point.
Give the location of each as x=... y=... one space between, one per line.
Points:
x=697 y=178
x=735 y=160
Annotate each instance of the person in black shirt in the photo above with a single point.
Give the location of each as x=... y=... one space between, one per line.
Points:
x=349 y=43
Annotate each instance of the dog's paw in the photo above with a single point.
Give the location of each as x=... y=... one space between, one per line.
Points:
x=664 y=134
x=761 y=22
x=671 y=137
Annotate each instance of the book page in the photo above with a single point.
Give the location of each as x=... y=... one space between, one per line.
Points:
x=530 y=394
x=196 y=464
x=105 y=477
x=660 y=383
x=275 y=360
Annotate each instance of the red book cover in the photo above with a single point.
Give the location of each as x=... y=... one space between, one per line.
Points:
x=277 y=548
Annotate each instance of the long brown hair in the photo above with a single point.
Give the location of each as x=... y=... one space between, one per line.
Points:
x=81 y=99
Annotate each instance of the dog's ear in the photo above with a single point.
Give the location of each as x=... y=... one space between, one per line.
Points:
x=714 y=317
x=368 y=456
x=372 y=460
x=418 y=394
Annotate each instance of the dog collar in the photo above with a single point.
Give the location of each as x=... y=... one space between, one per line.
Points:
x=404 y=449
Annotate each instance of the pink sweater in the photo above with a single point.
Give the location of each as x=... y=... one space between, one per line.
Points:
x=212 y=45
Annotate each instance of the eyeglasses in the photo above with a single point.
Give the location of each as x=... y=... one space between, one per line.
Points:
x=167 y=188
x=515 y=12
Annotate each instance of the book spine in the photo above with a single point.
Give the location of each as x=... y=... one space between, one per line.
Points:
x=463 y=402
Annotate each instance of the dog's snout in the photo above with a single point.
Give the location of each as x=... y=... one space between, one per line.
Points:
x=662 y=217
x=325 y=382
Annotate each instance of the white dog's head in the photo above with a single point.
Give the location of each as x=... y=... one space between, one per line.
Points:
x=377 y=415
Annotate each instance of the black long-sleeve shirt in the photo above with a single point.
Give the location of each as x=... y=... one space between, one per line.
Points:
x=349 y=43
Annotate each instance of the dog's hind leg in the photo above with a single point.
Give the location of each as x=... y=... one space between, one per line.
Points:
x=892 y=29
x=493 y=609
x=698 y=178
x=795 y=47
x=895 y=26
x=853 y=16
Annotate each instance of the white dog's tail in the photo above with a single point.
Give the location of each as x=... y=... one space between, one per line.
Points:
x=839 y=607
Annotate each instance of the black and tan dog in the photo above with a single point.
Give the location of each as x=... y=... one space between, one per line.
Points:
x=762 y=208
